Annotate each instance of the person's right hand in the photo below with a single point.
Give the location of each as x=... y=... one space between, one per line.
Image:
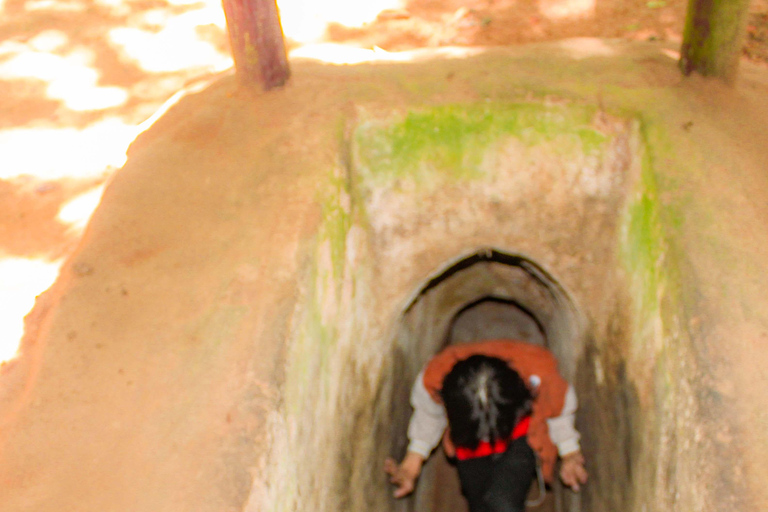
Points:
x=404 y=475
x=572 y=471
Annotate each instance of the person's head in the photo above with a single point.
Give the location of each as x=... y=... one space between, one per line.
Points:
x=484 y=399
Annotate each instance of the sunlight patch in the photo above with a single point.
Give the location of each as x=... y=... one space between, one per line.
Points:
x=78 y=211
x=23 y=280
x=70 y=78
x=176 y=46
x=564 y=9
x=306 y=20
x=332 y=53
x=50 y=153
x=48 y=41
x=672 y=54
x=54 y=5
x=585 y=47
x=116 y=7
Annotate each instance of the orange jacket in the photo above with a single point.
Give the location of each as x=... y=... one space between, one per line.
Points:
x=527 y=360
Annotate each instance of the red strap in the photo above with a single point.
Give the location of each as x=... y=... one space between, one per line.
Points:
x=500 y=446
x=521 y=428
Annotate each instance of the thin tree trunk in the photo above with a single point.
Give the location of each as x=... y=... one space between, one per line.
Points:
x=256 y=37
x=713 y=37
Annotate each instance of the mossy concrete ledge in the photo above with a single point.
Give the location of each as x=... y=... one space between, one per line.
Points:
x=240 y=324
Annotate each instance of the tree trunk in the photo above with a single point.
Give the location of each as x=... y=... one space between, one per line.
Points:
x=256 y=37
x=713 y=37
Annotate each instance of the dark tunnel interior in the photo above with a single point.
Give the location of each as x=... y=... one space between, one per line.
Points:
x=488 y=295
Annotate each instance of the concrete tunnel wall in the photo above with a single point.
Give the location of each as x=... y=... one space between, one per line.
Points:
x=259 y=360
x=421 y=191
x=402 y=254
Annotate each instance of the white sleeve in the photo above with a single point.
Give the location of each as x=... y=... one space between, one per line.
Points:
x=562 y=428
x=428 y=420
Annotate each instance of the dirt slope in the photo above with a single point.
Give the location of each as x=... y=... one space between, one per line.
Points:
x=150 y=369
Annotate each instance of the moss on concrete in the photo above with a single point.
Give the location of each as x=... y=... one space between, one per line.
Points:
x=663 y=357
x=449 y=142
x=644 y=245
x=332 y=378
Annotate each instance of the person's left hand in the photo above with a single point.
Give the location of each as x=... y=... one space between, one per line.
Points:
x=572 y=471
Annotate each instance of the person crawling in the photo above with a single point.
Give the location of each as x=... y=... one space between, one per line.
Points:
x=501 y=407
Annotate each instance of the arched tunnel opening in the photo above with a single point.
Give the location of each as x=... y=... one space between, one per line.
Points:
x=487 y=295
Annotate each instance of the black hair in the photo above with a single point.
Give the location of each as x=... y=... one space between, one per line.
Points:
x=484 y=399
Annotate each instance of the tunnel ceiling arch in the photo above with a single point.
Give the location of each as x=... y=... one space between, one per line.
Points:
x=498 y=275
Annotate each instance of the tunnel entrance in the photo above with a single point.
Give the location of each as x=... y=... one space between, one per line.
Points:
x=489 y=294
x=502 y=220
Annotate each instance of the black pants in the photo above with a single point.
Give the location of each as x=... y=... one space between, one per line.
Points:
x=499 y=483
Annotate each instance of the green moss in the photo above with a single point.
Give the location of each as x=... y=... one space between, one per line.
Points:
x=337 y=220
x=450 y=141
x=652 y=231
x=644 y=242
x=321 y=381
x=661 y=351
x=591 y=140
x=318 y=336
